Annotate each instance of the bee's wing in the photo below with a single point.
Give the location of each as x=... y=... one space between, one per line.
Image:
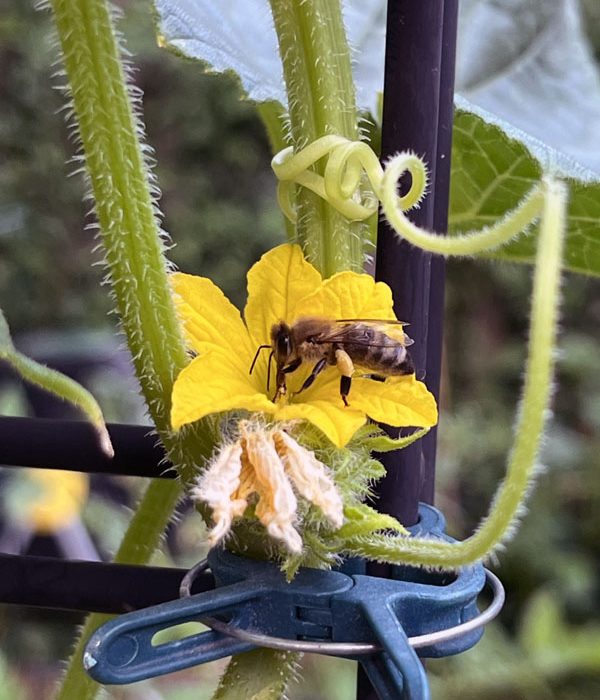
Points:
x=383 y=321
x=350 y=334
x=387 y=326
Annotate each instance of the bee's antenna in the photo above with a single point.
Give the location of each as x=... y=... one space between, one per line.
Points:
x=269 y=370
x=261 y=347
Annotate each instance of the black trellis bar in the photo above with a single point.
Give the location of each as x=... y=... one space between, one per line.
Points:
x=411 y=120
x=89 y=586
x=73 y=445
x=441 y=190
x=417 y=116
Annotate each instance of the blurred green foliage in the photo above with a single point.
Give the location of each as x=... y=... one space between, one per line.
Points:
x=213 y=167
x=219 y=204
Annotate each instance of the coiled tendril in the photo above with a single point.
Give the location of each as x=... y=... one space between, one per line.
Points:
x=350 y=166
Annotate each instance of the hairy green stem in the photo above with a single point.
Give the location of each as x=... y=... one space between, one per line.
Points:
x=321 y=101
x=124 y=204
x=56 y=383
x=262 y=674
x=510 y=496
x=122 y=187
x=144 y=532
x=274 y=119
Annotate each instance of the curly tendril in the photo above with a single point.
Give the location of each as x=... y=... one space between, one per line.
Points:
x=351 y=165
x=348 y=166
x=487 y=238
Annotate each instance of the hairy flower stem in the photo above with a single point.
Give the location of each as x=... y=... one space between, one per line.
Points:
x=511 y=495
x=321 y=99
x=274 y=119
x=144 y=532
x=124 y=205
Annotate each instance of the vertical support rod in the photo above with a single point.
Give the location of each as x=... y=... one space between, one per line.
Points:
x=410 y=122
x=417 y=114
x=441 y=190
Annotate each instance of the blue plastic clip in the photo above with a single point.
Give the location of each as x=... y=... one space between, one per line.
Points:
x=319 y=606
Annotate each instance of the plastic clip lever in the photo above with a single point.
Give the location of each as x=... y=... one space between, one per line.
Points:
x=122 y=651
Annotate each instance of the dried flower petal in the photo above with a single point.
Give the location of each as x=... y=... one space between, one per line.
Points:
x=277 y=505
x=216 y=487
x=310 y=477
x=268 y=463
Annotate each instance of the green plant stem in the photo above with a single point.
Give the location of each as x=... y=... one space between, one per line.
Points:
x=274 y=118
x=56 y=383
x=126 y=210
x=262 y=674
x=321 y=99
x=124 y=205
x=139 y=543
x=537 y=390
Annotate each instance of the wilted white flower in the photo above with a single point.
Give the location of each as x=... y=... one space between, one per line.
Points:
x=272 y=464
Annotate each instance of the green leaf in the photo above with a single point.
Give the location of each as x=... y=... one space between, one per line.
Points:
x=239 y=37
x=529 y=63
x=362 y=520
x=523 y=63
x=494 y=165
x=54 y=382
x=384 y=443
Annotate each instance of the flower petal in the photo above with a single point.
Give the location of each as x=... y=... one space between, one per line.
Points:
x=336 y=421
x=212 y=383
x=209 y=316
x=276 y=283
x=399 y=401
x=312 y=478
x=277 y=504
x=349 y=295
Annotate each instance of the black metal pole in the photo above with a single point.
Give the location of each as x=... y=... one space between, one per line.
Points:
x=73 y=445
x=410 y=122
x=90 y=586
x=441 y=190
x=417 y=116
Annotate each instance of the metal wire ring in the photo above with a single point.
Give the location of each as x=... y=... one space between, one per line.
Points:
x=347 y=648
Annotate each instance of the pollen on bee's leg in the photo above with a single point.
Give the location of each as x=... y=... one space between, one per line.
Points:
x=216 y=487
x=345 y=366
x=311 y=478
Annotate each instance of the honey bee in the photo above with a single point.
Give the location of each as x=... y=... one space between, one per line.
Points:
x=373 y=344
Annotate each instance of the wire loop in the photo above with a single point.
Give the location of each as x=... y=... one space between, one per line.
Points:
x=347 y=648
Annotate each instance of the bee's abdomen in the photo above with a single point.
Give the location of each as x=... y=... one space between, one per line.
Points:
x=380 y=353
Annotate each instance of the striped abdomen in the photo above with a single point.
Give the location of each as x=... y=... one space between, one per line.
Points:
x=374 y=350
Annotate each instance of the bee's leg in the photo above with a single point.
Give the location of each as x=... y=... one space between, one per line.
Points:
x=293 y=366
x=346 y=369
x=281 y=383
x=317 y=369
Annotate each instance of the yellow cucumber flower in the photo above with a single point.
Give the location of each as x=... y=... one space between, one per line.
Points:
x=283 y=286
x=59 y=499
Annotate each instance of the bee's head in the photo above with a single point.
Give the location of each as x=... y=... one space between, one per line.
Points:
x=281 y=340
